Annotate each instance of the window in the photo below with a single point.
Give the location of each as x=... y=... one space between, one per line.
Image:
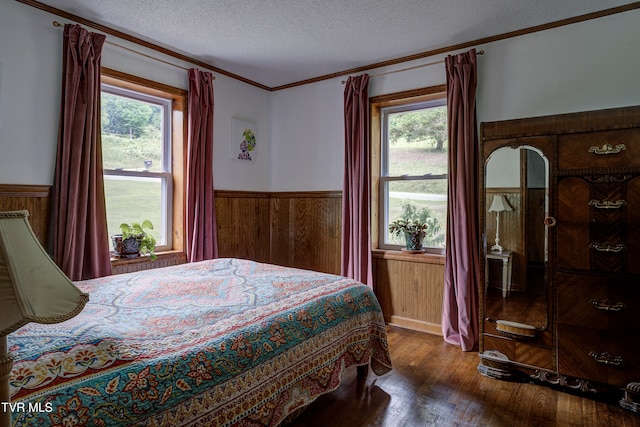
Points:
x=413 y=168
x=139 y=140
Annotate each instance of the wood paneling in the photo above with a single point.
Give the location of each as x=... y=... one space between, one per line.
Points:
x=306 y=230
x=297 y=229
x=243 y=225
x=409 y=289
x=33 y=198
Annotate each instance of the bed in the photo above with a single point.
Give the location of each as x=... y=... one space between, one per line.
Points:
x=226 y=342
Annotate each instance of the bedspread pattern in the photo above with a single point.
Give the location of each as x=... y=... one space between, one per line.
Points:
x=222 y=342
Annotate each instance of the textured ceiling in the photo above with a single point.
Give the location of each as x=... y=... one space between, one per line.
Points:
x=278 y=42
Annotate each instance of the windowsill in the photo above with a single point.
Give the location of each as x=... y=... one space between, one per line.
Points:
x=426 y=258
x=147 y=259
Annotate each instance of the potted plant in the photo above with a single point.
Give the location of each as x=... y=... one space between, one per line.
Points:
x=413 y=226
x=414 y=232
x=134 y=240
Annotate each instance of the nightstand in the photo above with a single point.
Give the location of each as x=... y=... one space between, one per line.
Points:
x=505 y=257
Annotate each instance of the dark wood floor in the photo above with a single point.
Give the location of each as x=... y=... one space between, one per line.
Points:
x=435 y=384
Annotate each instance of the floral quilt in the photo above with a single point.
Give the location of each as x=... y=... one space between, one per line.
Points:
x=226 y=342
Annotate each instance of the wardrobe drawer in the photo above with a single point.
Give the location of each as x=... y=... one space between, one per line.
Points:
x=598 y=150
x=598 y=302
x=597 y=224
x=603 y=356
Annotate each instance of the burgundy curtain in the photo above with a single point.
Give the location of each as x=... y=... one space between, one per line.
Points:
x=78 y=238
x=356 y=193
x=202 y=242
x=462 y=274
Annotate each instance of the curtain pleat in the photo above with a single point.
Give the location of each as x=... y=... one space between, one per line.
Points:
x=78 y=237
x=462 y=273
x=201 y=234
x=356 y=194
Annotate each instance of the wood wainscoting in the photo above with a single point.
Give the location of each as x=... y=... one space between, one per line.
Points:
x=295 y=229
x=410 y=288
x=32 y=198
x=306 y=230
x=243 y=224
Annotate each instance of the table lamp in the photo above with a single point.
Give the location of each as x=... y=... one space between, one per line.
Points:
x=499 y=204
x=32 y=289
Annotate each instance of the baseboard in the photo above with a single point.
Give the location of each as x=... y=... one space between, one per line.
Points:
x=413 y=324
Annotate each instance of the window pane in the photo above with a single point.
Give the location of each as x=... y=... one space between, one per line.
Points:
x=417 y=142
x=425 y=198
x=131 y=134
x=133 y=199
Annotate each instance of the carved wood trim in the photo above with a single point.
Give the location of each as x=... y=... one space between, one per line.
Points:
x=242 y=194
x=307 y=194
x=588 y=121
x=17 y=190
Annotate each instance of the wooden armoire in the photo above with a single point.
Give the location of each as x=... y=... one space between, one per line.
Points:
x=571 y=317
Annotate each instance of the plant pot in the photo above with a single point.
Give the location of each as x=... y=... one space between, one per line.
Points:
x=127 y=248
x=413 y=241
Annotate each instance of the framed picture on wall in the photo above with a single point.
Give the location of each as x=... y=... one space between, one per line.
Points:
x=243 y=140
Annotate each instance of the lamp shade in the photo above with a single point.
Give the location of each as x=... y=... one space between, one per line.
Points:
x=32 y=287
x=499 y=204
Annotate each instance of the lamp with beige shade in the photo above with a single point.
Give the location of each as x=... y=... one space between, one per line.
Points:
x=499 y=204
x=32 y=289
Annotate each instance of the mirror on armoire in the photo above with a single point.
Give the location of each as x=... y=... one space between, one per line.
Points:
x=516 y=205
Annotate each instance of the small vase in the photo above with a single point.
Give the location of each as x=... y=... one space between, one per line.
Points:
x=413 y=241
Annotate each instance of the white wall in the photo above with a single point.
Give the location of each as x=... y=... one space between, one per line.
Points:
x=307 y=137
x=585 y=66
x=30 y=76
x=29 y=94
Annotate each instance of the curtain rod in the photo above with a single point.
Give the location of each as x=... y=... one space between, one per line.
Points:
x=59 y=25
x=411 y=68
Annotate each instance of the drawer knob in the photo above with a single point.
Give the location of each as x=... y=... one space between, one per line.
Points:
x=608 y=247
x=550 y=221
x=606 y=359
x=607 y=149
x=608 y=305
x=607 y=204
